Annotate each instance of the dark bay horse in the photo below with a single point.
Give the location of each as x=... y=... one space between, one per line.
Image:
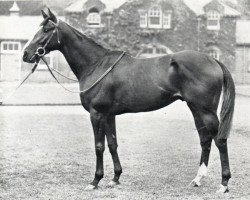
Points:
x=140 y=85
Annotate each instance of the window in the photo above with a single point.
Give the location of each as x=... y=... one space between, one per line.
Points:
x=155 y=17
x=143 y=20
x=10 y=47
x=161 y=51
x=213 y=20
x=166 y=21
x=215 y=53
x=153 y=50
x=94 y=18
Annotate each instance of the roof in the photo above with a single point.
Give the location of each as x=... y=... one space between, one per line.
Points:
x=243 y=32
x=14 y=8
x=198 y=7
x=27 y=7
x=78 y=6
x=19 y=27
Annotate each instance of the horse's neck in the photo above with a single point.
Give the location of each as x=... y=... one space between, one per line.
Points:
x=80 y=52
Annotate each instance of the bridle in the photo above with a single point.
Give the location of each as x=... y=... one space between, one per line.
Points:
x=40 y=52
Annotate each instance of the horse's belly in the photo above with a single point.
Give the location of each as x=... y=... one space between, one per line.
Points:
x=144 y=99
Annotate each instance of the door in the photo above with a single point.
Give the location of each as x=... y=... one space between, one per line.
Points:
x=10 y=61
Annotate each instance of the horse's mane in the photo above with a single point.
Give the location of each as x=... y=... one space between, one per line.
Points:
x=81 y=36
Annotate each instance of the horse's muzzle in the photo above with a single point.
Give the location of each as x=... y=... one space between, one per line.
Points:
x=27 y=58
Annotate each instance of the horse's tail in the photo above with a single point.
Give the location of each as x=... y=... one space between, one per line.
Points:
x=228 y=101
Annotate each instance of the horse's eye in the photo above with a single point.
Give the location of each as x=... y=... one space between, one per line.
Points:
x=45 y=30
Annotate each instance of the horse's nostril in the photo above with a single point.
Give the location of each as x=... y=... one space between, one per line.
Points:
x=25 y=55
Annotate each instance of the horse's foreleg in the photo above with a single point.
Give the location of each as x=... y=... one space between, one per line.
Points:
x=97 y=121
x=110 y=131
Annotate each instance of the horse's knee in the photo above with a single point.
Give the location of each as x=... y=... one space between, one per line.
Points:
x=113 y=148
x=99 y=149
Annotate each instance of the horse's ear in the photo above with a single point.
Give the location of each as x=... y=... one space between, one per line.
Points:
x=44 y=14
x=52 y=16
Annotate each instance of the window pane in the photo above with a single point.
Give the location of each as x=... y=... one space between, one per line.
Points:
x=155 y=20
x=10 y=46
x=167 y=20
x=5 y=47
x=161 y=51
x=143 y=19
x=16 y=47
x=148 y=51
x=214 y=53
x=155 y=12
x=212 y=22
x=94 y=19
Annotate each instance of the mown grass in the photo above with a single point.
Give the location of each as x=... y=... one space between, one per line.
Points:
x=48 y=153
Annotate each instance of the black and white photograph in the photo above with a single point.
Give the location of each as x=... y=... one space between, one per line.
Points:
x=124 y=99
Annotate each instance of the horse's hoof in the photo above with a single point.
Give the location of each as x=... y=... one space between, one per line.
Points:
x=90 y=187
x=195 y=183
x=112 y=184
x=222 y=189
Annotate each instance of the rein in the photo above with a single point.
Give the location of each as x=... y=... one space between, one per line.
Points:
x=28 y=75
x=94 y=84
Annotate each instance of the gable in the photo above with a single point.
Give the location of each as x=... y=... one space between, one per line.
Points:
x=105 y=5
x=26 y=7
x=201 y=6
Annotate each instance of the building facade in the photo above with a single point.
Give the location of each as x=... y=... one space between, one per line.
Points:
x=148 y=28
x=144 y=28
x=242 y=72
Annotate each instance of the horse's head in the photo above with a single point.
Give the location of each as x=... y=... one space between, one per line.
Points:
x=45 y=40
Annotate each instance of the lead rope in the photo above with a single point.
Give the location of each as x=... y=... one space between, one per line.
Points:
x=28 y=75
x=93 y=85
x=75 y=80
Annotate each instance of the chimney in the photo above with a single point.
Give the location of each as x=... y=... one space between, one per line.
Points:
x=14 y=10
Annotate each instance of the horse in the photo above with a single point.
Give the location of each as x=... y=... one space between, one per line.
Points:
x=140 y=85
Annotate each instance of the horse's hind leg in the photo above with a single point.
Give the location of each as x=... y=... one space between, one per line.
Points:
x=110 y=131
x=226 y=174
x=207 y=124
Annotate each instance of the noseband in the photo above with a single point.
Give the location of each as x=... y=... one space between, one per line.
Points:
x=40 y=52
